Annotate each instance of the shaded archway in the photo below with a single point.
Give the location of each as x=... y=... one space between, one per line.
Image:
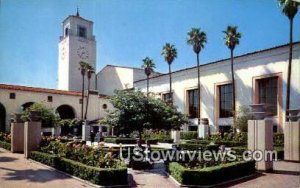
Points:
x=65 y=112
x=26 y=105
x=2 y=118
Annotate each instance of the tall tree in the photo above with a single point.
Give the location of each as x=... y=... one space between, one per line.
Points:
x=170 y=53
x=197 y=39
x=82 y=67
x=232 y=39
x=290 y=9
x=90 y=71
x=148 y=66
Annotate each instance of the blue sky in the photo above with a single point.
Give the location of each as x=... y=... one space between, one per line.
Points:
x=128 y=31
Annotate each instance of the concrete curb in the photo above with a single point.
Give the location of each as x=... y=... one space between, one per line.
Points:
x=74 y=177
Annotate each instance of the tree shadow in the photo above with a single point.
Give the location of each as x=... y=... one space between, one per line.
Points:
x=7 y=159
x=38 y=175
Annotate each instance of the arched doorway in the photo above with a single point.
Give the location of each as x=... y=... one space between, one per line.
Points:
x=66 y=112
x=26 y=105
x=2 y=118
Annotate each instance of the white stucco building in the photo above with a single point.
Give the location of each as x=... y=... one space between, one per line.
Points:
x=261 y=77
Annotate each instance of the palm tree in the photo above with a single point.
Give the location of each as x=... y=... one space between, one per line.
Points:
x=170 y=53
x=290 y=9
x=232 y=39
x=197 y=39
x=82 y=67
x=90 y=71
x=149 y=67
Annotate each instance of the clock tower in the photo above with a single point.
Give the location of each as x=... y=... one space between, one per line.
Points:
x=77 y=43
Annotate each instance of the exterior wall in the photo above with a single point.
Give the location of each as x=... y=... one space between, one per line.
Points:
x=95 y=110
x=114 y=77
x=247 y=68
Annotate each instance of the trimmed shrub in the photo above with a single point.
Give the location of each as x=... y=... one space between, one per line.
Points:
x=195 y=147
x=188 y=135
x=99 y=176
x=45 y=158
x=211 y=175
x=118 y=140
x=165 y=140
x=5 y=145
x=278 y=139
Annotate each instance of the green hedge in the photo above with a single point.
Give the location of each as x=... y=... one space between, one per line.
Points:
x=5 y=145
x=211 y=175
x=45 y=158
x=194 y=147
x=188 y=135
x=99 y=176
x=165 y=140
x=118 y=140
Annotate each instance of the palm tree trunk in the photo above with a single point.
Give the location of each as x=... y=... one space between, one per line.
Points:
x=87 y=99
x=289 y=69
x=82 y=96
x=233 y=84
x=170 y=75
x=198 y=92
x=147 y=86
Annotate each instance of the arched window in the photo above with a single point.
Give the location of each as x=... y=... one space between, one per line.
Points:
x=66 y=31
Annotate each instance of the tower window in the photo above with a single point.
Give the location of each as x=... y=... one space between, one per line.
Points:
x=66 y=31
x=12 y=95
x=81 y=31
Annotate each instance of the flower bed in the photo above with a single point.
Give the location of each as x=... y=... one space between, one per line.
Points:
x=99 y=176
x=211 y=175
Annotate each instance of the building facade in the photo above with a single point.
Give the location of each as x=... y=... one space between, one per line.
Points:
x=261 y=77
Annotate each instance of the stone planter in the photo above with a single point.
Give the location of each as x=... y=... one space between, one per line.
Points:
x=258 y=111
x=293 y=114
x=16 y=118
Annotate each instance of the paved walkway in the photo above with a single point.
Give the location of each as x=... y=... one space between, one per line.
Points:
x=286 y=175
x=15 y=171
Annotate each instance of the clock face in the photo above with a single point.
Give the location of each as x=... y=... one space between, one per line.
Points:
x=82 y=53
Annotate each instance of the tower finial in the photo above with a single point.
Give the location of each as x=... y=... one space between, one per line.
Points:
x=77 y=13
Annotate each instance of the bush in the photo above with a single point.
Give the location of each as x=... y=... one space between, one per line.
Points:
x=165 y=140
x=189 y=135
x=278 y=139
x=211 y=175
x=235 y=137
x=119 y=140
x=5 y=145
x=195 y=147
x=99 y=176
x=6 y=137
x=48 y=159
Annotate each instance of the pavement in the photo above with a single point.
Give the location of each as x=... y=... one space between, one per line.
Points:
x=16 y=171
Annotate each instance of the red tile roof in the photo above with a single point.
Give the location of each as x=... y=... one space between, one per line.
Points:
x=39 y=90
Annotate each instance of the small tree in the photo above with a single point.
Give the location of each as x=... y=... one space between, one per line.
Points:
x=241 y=119
x=48 y=116
x=131 y=113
